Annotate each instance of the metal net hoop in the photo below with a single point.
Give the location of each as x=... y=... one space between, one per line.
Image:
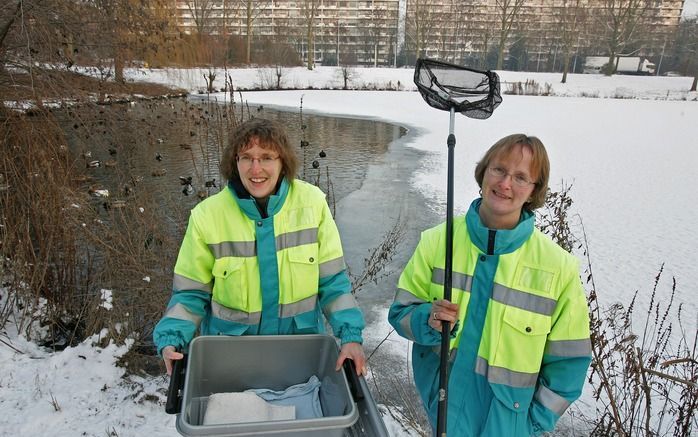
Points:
x=473 y=93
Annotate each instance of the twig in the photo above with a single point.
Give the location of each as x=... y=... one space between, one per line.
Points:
x=11 y=347
x=380 y=344
x=671 y=377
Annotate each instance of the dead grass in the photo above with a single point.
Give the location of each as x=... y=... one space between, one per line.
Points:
x=58 y=85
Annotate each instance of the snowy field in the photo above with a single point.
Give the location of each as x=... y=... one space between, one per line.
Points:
x=630 y=161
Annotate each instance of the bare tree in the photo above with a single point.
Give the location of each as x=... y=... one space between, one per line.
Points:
x=121 y=27
x=462 y=26
x=372 y=29
x=507 y=13
x=420 y=19
x=687 y=48
x=569 y=19
x=251 y=10
x=200 y=11
x=309 y=10
x=620 y=22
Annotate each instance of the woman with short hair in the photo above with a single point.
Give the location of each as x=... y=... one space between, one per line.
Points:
x=261 y=257
x=520 y=347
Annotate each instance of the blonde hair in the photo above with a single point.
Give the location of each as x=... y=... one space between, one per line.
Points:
x=540 y=165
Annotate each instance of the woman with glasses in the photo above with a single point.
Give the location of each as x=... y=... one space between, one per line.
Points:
x=518 y=319
x=262 y=257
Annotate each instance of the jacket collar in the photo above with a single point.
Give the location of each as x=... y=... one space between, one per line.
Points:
x=249 y=205
x=505 y=240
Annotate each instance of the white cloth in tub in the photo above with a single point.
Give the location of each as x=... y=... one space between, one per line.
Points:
x=244 y=407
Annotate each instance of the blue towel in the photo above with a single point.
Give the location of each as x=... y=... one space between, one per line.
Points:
x=305 y=397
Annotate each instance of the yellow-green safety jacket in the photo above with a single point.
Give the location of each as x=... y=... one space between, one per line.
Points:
x=239 y=273
x=520 y=349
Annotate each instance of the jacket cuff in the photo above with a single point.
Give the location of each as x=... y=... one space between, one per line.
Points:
x=351 y=335
x=424 y=334
x=170 y=340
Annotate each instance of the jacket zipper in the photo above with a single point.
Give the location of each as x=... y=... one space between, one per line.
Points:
x=490 y=241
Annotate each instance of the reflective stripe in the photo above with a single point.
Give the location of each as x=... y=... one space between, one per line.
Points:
x=405 y=324
x=296 y=238
x=300 y=307
x=523 y=300
x=460 y=281
x=179 y=311
x=568 y=348
x=180 y=283
x=404 y=297
x=237 y=316
x=234 y=248
x=332 y=267
x=500 y=375
x=342 y=302
x=551 y=400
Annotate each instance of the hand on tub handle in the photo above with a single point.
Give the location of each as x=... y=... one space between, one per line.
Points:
x=174 y=391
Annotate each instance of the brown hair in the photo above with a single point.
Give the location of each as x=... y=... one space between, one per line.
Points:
x=540 y=166
x=271 y=135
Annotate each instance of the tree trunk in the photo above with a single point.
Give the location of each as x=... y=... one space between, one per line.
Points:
x=695 y=82
x=249 y=31
x=6 y=27
x=311 y=47
x=500 y=52
x=118 y=65
x=611 y=66
x=565 y=64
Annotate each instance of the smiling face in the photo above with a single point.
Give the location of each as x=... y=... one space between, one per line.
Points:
x=259 y=168
x=502 y=197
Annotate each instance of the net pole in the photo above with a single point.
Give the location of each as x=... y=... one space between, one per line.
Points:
x=448 y=281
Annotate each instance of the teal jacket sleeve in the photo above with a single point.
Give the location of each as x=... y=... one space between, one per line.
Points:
x=334 y=288
x=566 y=359
x=409 y=312
x=191 y=292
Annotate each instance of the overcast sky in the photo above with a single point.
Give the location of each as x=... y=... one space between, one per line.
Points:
x=690 y=8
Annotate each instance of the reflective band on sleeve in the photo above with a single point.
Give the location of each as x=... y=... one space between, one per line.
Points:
x=297 y=238
x=234 y=248
x=568 y=348
x=551 y=400
x=342 y=302
x=405 y=324
x=179 y=311
x=404 y=297
x=500 y=375
x=300 y=307
x=180 y=283
x=332 y=267
x=523 y=300
x=237 y=316
x=460 y=281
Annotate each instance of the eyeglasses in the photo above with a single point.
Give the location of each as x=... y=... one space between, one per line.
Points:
x=265 y=161
x=518 y=179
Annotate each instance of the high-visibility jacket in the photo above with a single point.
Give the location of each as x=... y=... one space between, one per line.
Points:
x=520 y=350
x=238 y=273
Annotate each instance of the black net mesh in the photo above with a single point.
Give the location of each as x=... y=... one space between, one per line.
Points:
x=473 y=93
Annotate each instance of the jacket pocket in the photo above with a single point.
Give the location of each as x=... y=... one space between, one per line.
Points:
x=504 y=421
x=229 y=287
x=304 y=270
x=305 y=323
x=522 y=340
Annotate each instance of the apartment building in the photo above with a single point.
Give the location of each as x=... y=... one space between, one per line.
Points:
x=469 y=31
x=342 y=31
x=390 y=32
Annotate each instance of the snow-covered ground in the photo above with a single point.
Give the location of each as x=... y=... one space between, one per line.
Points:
x=630 y=160
x=578 y=85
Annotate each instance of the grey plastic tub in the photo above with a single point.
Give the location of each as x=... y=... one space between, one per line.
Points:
x=220 y=364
